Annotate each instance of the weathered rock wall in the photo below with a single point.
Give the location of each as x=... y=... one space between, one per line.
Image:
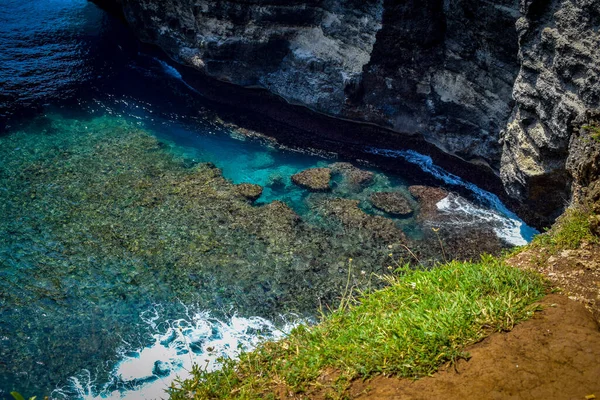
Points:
x=495 y=83
x=444 y=70
x=304 y=51
x=558 y=83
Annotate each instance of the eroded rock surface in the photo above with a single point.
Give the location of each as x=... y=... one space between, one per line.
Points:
x=440 y=69
x=428 y=198
x=559 y=53
x=583 y=163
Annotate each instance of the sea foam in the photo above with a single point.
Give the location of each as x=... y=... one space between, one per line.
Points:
x=177 y=345
x=507 y=225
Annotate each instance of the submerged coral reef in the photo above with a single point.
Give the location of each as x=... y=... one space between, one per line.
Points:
x=101 y=220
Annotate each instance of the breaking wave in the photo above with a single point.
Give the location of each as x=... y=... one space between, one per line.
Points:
x=177 y=345
x=507 y=224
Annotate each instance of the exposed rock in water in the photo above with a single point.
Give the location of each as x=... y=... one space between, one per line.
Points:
x=428 y=198
x=458 y=235
x=467 y=242
x=351 y=216
x=249 y=190
x=393 y=203
x=495 y=83
x=314 y=179
x=353 y=176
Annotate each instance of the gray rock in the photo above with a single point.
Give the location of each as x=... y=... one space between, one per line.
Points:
x=557 y=83
x=583 y=162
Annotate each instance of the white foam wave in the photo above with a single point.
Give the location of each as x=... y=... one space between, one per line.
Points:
x=177 y=345
x=174 y=73
x=170 y=70
x=467 y=213
x=510 y=227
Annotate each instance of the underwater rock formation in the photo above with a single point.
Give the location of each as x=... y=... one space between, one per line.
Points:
x=353 y=176
x=250 y=191
x=393 y=203
x=352 y=217
x=497 y=83
x=314 y=179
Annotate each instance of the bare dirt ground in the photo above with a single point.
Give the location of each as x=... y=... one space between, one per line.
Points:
x=576 y=273
x=554 y=355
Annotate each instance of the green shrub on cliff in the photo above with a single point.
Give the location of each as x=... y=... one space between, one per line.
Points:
x=420 y=321
x=568 y=233
x=593 y=130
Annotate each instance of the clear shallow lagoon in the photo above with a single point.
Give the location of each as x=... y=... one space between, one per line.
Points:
x=124 y=257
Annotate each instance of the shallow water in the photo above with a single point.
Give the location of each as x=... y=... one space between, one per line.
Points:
x=125 y=258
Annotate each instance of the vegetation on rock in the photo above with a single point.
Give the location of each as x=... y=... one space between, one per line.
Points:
x=593 y=130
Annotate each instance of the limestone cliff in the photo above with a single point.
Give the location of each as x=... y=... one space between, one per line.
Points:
x=495 y=83
x=557 y=84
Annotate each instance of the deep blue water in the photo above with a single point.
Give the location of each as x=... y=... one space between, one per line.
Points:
x=78 y=325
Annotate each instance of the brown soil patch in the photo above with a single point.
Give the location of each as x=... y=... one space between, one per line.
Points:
x=575 y=272
x=555 y=355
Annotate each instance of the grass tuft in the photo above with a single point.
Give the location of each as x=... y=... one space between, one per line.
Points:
x=568 y=233
x=422 y=320
x=593 y=130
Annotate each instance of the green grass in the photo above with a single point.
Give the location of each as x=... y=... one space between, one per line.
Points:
x=569 y=232
x=593 y=130
x=422 y=320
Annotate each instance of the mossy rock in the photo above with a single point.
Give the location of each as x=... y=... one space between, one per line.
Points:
x=249 y=190
x=393 y=203
x=314 y=179
x=354 y=176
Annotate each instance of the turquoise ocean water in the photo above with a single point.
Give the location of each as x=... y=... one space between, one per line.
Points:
x=124 y=256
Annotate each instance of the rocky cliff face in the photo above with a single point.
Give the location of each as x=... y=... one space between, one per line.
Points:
x=557 y=84
x=495 y=83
